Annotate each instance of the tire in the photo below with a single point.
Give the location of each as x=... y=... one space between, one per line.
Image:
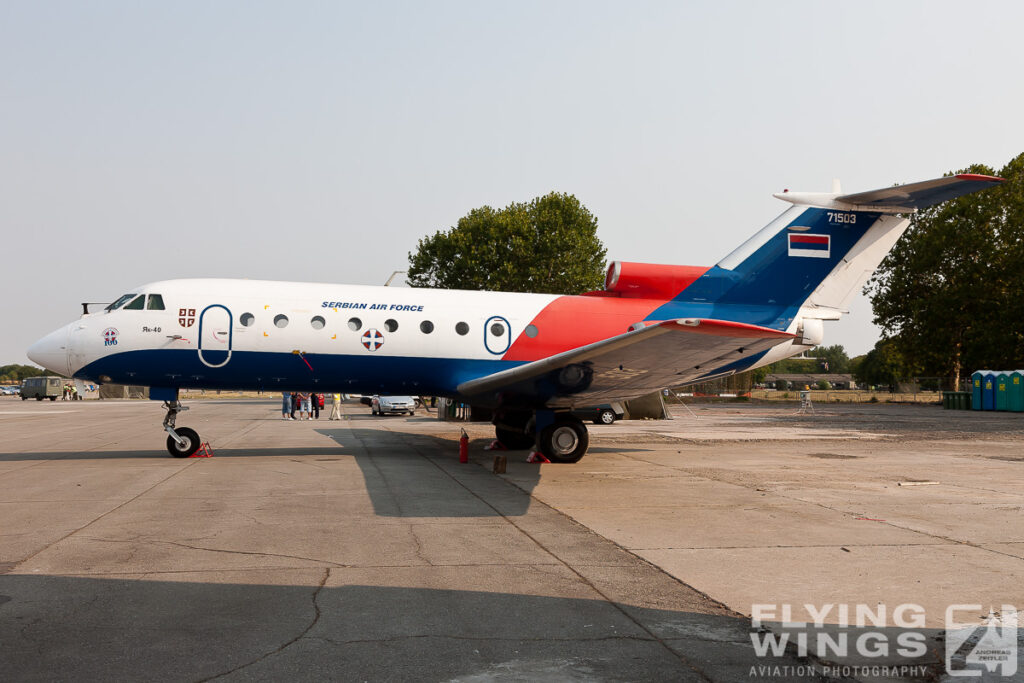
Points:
x=512 y=439
x=53 y=398
x=564 y=441
x=192 y=443
x=606 y=417
x=39 y=398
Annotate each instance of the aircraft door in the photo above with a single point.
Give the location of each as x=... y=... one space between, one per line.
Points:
x=215 y=336
x=497 y=335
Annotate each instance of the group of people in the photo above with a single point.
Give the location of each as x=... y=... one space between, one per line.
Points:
x=307 y=405
x=70 y=393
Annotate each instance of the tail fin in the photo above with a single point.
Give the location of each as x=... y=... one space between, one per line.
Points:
x=818 y=253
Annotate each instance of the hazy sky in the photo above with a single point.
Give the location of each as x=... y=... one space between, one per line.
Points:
x=319 y=140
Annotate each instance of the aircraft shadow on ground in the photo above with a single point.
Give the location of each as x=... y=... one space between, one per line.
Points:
x=186 y=630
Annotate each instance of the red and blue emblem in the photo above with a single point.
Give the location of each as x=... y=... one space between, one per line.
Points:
x=372 y=339
x=110 y=336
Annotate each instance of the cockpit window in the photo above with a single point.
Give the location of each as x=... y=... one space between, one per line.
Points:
x=137 y=304
x=120 y=302
x=155 y=303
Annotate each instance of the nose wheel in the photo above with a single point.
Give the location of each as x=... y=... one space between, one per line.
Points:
x=181 y=441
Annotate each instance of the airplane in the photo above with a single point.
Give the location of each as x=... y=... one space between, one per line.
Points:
x=532 y=358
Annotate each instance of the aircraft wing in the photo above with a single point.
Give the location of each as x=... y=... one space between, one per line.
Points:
x=923 y=194
x=639 y=362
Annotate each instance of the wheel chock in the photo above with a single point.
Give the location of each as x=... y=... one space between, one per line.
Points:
x=536 y=456
x=495 y=446
x=205 y=451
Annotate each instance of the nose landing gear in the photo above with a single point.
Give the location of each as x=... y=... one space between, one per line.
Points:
x=181 y=441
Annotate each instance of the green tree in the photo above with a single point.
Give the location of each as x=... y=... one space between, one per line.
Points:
x=834 y=357
x=947 y=295
x=18 y=373
x=882 y=365
x=548 y=245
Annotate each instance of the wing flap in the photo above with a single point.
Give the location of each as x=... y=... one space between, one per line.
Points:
x=661 y=354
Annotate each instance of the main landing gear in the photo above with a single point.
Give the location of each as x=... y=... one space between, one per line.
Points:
x=181 y=441
x=561 y=437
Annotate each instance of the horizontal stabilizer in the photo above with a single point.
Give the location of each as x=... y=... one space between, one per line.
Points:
x=661 y=354
x=921 y=195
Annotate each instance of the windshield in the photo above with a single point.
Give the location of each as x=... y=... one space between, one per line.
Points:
x=119 y=303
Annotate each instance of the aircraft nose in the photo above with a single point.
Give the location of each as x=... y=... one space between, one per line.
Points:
x=51 y=352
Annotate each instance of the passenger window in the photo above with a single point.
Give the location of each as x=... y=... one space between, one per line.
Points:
x=391 y=325
x=247 y=319
x=354 y=324
x=462 y=329
x=531 y=331
x=120 y=302
x=497 y=329
x=426 y=327
x=155 y=303
x=281 y=321
x=317 y=322
x=137 y=304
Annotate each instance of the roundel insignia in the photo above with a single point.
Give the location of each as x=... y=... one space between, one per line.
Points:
x=372 y=339
x=110 y=336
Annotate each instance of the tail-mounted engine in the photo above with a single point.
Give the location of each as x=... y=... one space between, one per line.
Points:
x=649 y=280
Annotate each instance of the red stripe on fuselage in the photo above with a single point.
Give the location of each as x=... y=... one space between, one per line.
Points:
x=569 y=322
x=808 y=239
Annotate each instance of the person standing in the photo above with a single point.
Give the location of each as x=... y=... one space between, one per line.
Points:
x=336 y=407
x=315 y=399
x=303 y=405
x=286 y=406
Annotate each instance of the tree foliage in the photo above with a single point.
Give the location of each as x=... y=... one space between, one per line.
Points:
x=547 y=245
x=17 y=373
x=948 y=295
x=882 y=366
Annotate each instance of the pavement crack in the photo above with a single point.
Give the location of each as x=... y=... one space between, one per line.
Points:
x=252 y=552
x=282 y=648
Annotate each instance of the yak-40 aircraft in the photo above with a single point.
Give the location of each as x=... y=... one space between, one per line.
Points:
x=531 y=357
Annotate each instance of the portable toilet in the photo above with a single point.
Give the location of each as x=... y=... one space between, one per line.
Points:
x=1016 y=390
x=988 y=391
x=1003 y=390
x=977 y=380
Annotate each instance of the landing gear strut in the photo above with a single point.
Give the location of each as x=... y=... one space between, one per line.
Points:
x=181 y=441
x=561 y=437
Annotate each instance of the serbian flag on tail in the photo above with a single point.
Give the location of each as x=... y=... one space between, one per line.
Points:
x=813 y=246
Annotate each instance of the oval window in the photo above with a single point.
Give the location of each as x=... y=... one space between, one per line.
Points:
x=462 y=329
x=247 y=319
x=281 y=320
x=497 y=329
x=531 y=331
x=391 y=325
x=317 y=322
x=426 y=327
x=354 y=324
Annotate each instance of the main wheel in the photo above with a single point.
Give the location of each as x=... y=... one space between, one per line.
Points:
x=564 y=441
x=512 y=439
x=606 y=417
x=191 y=445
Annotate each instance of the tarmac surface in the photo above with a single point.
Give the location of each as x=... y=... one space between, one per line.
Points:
x=362 y=549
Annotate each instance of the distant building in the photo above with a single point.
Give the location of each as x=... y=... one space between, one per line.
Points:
x=797 y=380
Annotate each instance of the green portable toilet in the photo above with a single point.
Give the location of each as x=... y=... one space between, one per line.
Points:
x=988 y=391
x=1016 y=389
x=977 y=380
x=1003 y=390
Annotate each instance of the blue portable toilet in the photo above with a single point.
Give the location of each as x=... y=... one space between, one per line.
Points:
x=977 y=380
x=988 y=391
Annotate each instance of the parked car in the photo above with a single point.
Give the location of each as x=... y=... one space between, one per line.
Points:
x=381 y=405
x=10 y=390
x=42 y=387
x=603 y=414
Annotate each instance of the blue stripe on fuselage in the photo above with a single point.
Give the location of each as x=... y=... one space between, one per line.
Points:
x=769 y=286
x=253 y=370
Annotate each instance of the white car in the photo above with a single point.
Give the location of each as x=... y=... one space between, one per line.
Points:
x=381 y=405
